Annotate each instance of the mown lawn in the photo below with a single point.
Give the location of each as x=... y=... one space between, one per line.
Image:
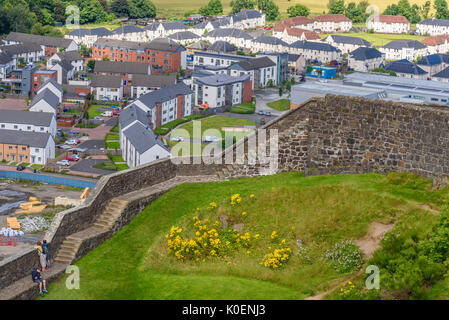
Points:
x=280 y=105
x=245 y=108
x=380 y=39
x=319 y=211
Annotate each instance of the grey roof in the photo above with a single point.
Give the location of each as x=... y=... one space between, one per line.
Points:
x=350 y=40
x=70 y=55
x=430 y=60
x=229 y=32
x=21 y=48
x=221 y=46
x=25 y=138
x=53 y=82
x=132 y=113
x=435 y=22
x=65 y=64
x=41 y=40
x=293 y=57
x=311 y=45
x=256 y=63
x=48 y=96
x=247 y=14
x=24 y=117
x=121 y=67
x=221 y=80
x=442 y=74
x=127 y=29
x=399 y=44
x=271 y=40
x=217 y=55
x=364 y=53
x=183 y=35
x=165 y=44
x=202 y=25
x=167 y=26
x=99 y=32
x=106 y=81
x=200 y=45
x=142 y=138
x=404 y=66
x=164 y=94
x=5 y=58
x=153 y=81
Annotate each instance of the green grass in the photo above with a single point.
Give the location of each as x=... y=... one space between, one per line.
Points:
x=112 y=145
x=380 y=39
x=215 y=122
x=121 y=166
x=13 y=163
x=116 y=158
x=94 y=112
x=38 y=166
x=115 y=128
x=88 y=126
x=74 y=111
x=245 y=108
x=170 y=125
x=109 y=165
x=320 y=211
x=111 y=136
x=26 y=164
x=280 y=105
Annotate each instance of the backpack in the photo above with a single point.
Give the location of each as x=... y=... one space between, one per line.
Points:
x=34 y=274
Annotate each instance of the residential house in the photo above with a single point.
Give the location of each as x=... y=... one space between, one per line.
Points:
x=267 y=43
x=296 y=63
x=45 y=101
x=203 y=28
x=332 y=23
x=237 y=37
x=54 y=87
x=437 y=44
x=262 y=71
x=109 y=88
x=75 y=59
x=51 y=45
x=65 y=71
x=129 y=33
x=316 y=51
x=432 y=27
x=40 y=77
x=281 y=60
x=291 y=34
x=432 y=63
x=166 y=104
x=297 y=22
x=222 y=90
x=88 y=37
x=216 y=59
x=403 y=49
x=184 y=37
x=24 y=146
x=407 y=69
x=143 y=84
x=365 y=59
x=126 y=70
x=28 y=121
x=442 y=76
x=141 y=146
x=346 y=44
x=20 y=79
x=193 y=48
x=222 y=47
x=389 y=24
x=28 y=53
x=164 y=29
x=248 y=19
x=6 y=65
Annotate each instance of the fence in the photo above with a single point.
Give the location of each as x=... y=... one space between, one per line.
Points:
x=47 y=179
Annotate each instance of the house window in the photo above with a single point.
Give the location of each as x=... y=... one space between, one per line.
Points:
x=3 y=125
x=29 y=128
x=42 y=128
x=24 y=148
x=36 y=150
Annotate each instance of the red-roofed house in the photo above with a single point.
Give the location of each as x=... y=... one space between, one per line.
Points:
x=389 y=24
x=291 y=35
x=332 y=23
x=437 y=44
x=298 y=22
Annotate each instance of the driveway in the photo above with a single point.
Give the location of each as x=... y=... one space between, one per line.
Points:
x=269 y=95
x=97 y=133
x=92 y=144
x=87 y=166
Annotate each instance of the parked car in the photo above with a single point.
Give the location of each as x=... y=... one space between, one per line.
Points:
x=20 y=167
x=63 y=163
x=177 y=139
x=72 y=142
x=261 y=112
x=99 y=118
x=268 y=113
x=211 y=139
x=116 y=113
x=107 y=114
x=73 y=157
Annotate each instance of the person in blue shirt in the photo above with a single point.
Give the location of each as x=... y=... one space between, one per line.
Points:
x=37 y=278
x=46 y=251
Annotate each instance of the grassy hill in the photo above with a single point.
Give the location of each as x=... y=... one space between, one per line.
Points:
x=309 y=216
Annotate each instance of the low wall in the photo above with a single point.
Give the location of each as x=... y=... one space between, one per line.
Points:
x=47 y=179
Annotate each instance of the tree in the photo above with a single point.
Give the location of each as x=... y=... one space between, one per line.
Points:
x=141 y=9
x=91 y=65
x=298 y=10
x=105 y=5
x=120 y=8
x=59 y=11
x=425 y=9
x=280 y=91
x=91 y=11
x=239 y=5
x=441 y=11
x=354 y=12
x=392 y=10
x=268 y=7
x=336 y=6
x=213 y=8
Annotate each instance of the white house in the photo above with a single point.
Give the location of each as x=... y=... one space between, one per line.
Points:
x=216 y=59
x=320 y=51
x=389 y=24
x=28 y=121
x=262 y=71
x=45 y=101
x=129 y=33
x=346 y=44
x=75 y=59
x=6 y=64
x=237 y=37
x=437 y=44
x=248 y=19
x=293 y=34
x=25 y=146
x=54 y=87
x=164 y=29
x=65 y=71
x=184 y=37
x=433 y=27
x=143 y=84
x=140 y=145
x=267 y=43
x=88 y=37
x=332 y=23
x=29 y=52
x=403 y=49
x=107 y=87
x=365 y=59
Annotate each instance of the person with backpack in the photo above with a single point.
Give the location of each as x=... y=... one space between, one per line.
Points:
x=40 y=253
x=37 y=278
x=46 y=251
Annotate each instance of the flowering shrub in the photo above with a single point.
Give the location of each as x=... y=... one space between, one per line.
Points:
x=235 y=199
x=277 y=258
x=345 y=257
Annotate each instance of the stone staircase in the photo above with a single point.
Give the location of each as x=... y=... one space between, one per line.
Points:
x=68 y=250
x=112 y=211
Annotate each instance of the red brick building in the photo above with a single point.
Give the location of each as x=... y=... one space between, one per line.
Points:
x=164 y=55
x=125 y=70
x=41 y=76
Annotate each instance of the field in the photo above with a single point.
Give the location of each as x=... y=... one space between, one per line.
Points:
x=172 y=7
x=380 y=39
x=316 y=211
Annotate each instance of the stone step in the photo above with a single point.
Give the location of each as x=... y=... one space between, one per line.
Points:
x=69 y=247
x=65 y=256
x=73 y=239
x=66 y=252
x=63 y=261
x=102 y=225
x=107 y=218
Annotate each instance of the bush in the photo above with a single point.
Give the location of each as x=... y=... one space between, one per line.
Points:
x=345 y=257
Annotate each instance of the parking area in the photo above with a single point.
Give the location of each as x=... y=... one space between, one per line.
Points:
x=12 y=104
